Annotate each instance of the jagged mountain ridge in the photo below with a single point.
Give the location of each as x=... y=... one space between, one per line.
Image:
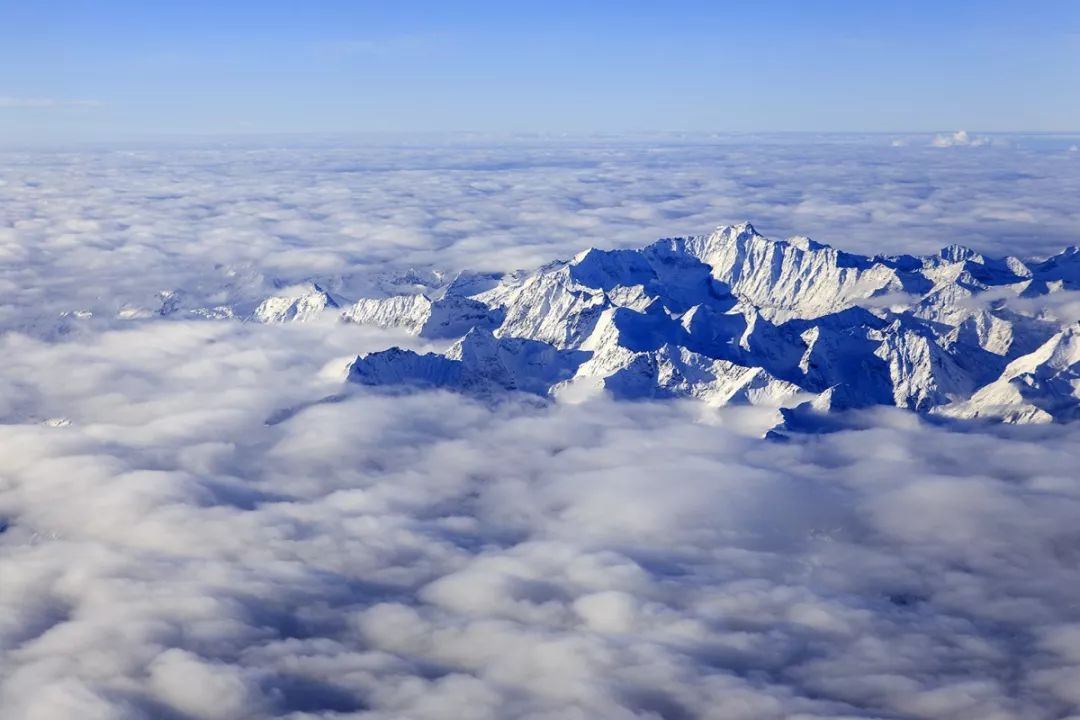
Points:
x=736 y=317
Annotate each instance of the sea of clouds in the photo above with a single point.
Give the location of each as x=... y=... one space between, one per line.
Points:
x=198 y=520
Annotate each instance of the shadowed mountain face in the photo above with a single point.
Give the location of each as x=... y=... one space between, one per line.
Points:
x=734 y=317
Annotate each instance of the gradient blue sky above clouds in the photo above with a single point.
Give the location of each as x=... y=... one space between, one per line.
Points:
x=119 y=68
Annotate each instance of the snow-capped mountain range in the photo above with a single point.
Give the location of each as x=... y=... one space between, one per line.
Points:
x=734 y=317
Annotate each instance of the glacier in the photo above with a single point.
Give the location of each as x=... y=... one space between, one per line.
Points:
x=734 y=317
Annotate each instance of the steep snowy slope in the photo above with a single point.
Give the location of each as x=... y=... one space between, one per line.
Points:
x=1040 y=387
x=478 y=363
x=1060 y=272
x=448 y=317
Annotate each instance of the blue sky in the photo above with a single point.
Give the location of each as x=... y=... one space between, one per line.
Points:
x=115 y=69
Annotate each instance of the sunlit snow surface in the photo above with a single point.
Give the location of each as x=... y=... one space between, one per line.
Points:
x=199 y=522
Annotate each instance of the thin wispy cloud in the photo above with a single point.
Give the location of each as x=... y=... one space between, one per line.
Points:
x=377 y=47
x=11 y=101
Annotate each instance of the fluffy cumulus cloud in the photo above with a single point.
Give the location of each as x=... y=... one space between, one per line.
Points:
x=960 y=138
x=199 y=520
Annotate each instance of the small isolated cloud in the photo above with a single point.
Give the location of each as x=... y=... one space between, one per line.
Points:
x=960 y=138
x=1062 y=306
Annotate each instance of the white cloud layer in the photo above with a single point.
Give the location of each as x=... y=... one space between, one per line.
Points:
x=200 y=520
x=108 y=230
x=170 y=554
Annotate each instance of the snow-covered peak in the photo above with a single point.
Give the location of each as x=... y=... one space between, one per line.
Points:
x=742 y=229
x=804 y=243
x=959 y=253
x=299 y=303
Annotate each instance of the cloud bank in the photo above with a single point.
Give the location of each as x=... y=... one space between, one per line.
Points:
x=170 y=553
x=201 y=520
x=107 y=231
